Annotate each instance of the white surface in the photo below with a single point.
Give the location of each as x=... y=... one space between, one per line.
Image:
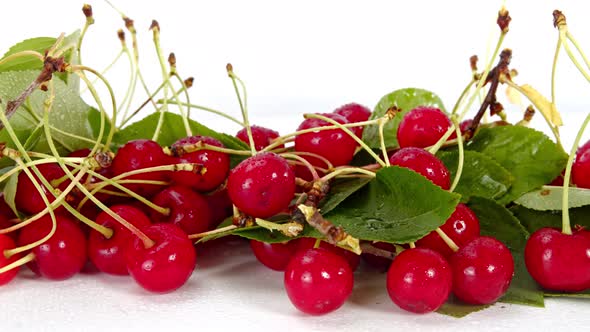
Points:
x=301 y=56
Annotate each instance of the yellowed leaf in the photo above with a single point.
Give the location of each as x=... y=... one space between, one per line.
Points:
x=548 y=109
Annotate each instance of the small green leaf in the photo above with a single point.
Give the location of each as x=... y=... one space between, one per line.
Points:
x=398 y=206
x=550 y=197
x=580 y=295
x=533 y=220
x=340 y=190
x=530 y=156
x=406 y=100
x=455 y=308
x=498 y=222
x=10 y=192
x=481 y=176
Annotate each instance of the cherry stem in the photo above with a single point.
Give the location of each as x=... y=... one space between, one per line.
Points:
x=578 y=48
x=106 y=70
x=329 y=165
x=19 y=262
x=346 y=170
x=382 y=122
x=193 y=147
x=462 y=96
x=21 y=54
x=554 y=70
x=412 y=245
x=206 y=109
x=368 y=248
x=461 y=153
x=447 y=239
x=290 y=229
x=305 y=163
x=243 y=105
x=89 y=21
x=317 y=243
x=213 y=232
x=350 y=133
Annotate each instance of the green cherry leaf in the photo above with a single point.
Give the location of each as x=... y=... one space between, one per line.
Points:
x=340 y=190
x=455 y=308
x=10 y=192
x=530 y=156
x=405 y=99
x=550 y=197
x=398 y=206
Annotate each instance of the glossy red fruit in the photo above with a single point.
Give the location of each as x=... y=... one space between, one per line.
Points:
x=5 y=223
x=558 y=261
x=216 y=165
x=581 y=167
x=275 y=256
x=188 y=210
x=353 y=113
x=262 y=185
x=318 y=281
x=76 y=195
x=419 y=280
x=334 y=144
x=6 y=243
x=424 y=163
x=482 y=271
x=462 y=227
x=60 y=257
x=220 y=206
x=165 y=266
x=5 y=209
x=421 y=127
x=140 y=154
x=378 y=262
x=352 y=258
x=28 y=199
x=262 y=136
x=108 y=255
x=463 y=126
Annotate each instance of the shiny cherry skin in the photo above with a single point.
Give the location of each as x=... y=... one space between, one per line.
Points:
x=262 y=185
x=275 y=256
x=262 y=137
x=60 y=257
x=108 y=255
x=462 y=227
x=318 y=281
x=354 y=113
x=5 y=223
x=334 y=144
x=5 y=209
x=220 y=206
x=7 y=243
x=188 y=210
x=165 y=266
x=352 y=258
x=581 y=167
x=419 y=280
x=421 y=127
x=482 y=271
x=216 y=165
x=140 y=154
x=28 y=199
x=463 y=126
x=424 y=163
x=558 y=261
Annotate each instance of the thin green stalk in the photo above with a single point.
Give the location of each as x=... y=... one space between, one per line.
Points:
x=461 y=154
x=207 y=109
x=243 y=106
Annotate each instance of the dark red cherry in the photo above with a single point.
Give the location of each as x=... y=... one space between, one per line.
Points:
x=352 y=258
x=275 y=256
x=262 y=136
x=421 y=127
x=581 y=167
x=108 y=255
x=28 y=199
x=165 y=266
x=5 y=208
x=558 y=261
x=60 y=257
x=419 y=280
x=318 y=281
x=378 y=262
x=220 y=206
x=482 y=271
x=188 y=210
x=334 y=144
x=463 y=126
x=7 y=243
x=216 y=165
x=353 y=113
x=423 y=162
x=462 y=227
x=140 y=154
x=262 y=185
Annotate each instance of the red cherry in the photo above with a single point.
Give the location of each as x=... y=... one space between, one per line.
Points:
x=424 y=163
x=5 y=223
x=216 y=165
x=165 y=266
x=6 y=243
x=581 y=167
x=378 y=262
x=354 y=113
x=60 y=257
x=275 y=256
x=463 y=126
x=262 y=185
x=462 y=227
x=263 y=137
x=318 y=281
x=352 y=258
x=421 y=127
x=188 y=210
x=139 y=154
x=419 y=280
x=5 y=210
x=108 y=255
x=482 y=271
x=27 y=199
x=334 y=144
x=558 y=261
x=220 y=206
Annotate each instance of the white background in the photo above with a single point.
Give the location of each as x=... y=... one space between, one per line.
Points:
x=295 y=57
